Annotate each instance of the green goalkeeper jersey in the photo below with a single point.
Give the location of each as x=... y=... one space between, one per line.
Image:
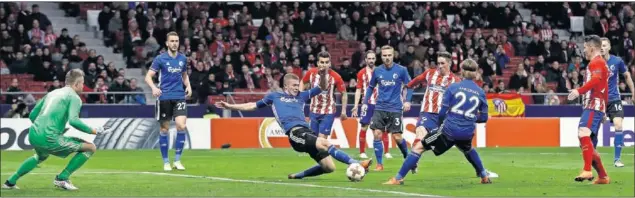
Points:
x=54 y=110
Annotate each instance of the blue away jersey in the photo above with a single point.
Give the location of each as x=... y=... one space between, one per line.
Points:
x=170 y=75
x=617 y=68
x=288 y=109
x=389 y=83
x=464 y=104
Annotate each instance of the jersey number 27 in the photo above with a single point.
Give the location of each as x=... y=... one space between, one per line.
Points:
x=462 y=97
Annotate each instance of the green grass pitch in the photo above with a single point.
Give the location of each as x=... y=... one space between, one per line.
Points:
x=263 y=172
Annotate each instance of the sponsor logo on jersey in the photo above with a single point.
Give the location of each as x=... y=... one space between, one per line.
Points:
x=174 y=69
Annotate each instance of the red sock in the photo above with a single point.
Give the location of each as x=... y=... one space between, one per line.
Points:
x=587 y=152
x=384 y=139
x=415 y=142
x=598 y=165
x=362 y=141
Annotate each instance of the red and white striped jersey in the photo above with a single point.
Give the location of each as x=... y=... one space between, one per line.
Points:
x=363 y=79
x=436 y=86
x=324 y=103
x=595 y=88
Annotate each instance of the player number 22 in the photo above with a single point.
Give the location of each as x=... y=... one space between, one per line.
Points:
x=470 y=112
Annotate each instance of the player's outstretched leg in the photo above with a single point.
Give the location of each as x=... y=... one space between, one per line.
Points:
x=180 y=142
x=311 y=172
x=164 y=144
x=384 y=139
x=379 y=149
x=27 y=166
x=475 y=160
x=408 y=164
x=62 y=180
x=324 y=145
x=586 y=145
x=362 y=142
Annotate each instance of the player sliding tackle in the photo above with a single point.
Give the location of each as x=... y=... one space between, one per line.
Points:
x=464 y=105
x=595 y=98
x=390 y=78
x=288 y=107
x=366 y=112
x=615 y=112
x=46 y=135
x=438 y=80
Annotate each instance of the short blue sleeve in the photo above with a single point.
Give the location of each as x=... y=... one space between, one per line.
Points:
x=156 y=64
x=266 y=101
x=184 y=66
x=621 y=67
x=405 y=76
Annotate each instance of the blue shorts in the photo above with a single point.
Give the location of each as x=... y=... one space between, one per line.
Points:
x=591 y=119
x=322 y=123
x=428 y=120
x=366 y=114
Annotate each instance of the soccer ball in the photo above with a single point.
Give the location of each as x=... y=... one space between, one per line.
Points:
x=355 y=172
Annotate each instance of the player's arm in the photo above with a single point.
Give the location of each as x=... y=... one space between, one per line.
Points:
x=339 y=85
x=154 y=68
x=73 y=113
x=371 y=87
x=36 y=110
x=305 y=81
x=483 y=114
x=627 y=77
x=186 y=82
x=250 y=106
x=596 y=78
x=414 y=83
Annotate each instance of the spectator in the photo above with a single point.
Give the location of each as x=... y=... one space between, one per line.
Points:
x=501 y=60
x=230 y=82
x=91 y=75
x=346 y=32
x=519 y=79
x=45 y=72
x=56 y=85
x=554 y=72
x=136 y=98
x=14 y=87
x=118 y=86
x=248 y=79
x=42 y=18
x=208 y=87
x=501 y=87
x=115 y=24
x=551 y=98
x=19 y=65
x=64 y=39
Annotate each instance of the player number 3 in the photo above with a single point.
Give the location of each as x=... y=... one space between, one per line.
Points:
x=470 y=112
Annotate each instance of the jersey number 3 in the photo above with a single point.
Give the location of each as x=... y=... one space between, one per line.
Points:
x=457 y=107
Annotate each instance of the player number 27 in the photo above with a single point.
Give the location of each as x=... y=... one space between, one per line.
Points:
x=180 y=106
x=457 y=107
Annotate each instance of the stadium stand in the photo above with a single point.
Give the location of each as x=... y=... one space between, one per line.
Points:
x=247 y=47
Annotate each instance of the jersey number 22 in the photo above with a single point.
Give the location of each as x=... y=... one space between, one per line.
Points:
x=457 y=107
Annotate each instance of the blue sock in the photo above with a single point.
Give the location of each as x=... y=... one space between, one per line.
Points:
x=410 y=162
x=163 y=144
x=403 y=147
x=473 y=155
x=379 y=151
x=178 y=146
x=467 y=156
x=618 y=143
x=340 y=155
x=313 y=171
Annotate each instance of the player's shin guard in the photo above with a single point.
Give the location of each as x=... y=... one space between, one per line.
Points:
x=384 y=139
x=379 y=151
x=75 y=163
x=178 y=146
x=311 y=172
x=587 y=152
x=163 y=145
x=403 y=147
x=340 y=155
x=475 y=160
x=27 y=166
x=410 y=162
x=362 y=141
x=618 y=142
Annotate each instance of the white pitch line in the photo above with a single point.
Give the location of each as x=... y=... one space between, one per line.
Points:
x=250 y=181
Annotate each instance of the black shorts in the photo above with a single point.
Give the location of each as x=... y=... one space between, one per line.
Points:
x=615 y=110
x=439 y=143
x=167 y=110
x=303 y=140
x=387 y=121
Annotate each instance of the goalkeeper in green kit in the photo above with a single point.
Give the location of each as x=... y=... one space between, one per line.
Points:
x=46 y=134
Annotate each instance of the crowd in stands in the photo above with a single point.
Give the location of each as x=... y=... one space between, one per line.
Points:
x=250 y=46
x=35 y=59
